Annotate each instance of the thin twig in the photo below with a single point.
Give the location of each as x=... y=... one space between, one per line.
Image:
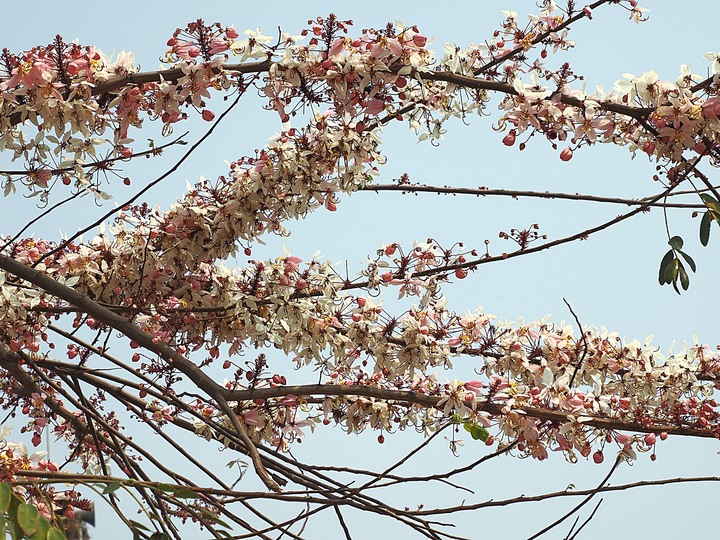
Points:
x=592 y=515
x=516 y=193
x=587 y=499
x=584 y=341
x=342 y=523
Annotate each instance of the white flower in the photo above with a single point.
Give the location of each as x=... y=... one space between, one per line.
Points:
x=253 y=46
x=20 y=449
x=530 y=92
x=715 y=57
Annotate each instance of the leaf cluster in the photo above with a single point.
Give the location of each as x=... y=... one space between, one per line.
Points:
x=21 y=520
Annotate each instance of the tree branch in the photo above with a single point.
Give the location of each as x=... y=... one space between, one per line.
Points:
x=514 y=193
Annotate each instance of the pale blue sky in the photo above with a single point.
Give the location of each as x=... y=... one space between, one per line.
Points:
x=610 y=279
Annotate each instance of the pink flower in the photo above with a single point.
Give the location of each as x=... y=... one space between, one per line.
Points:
x=375 y=106
x=337 y=47
x=252 y=417
x=42 y=176
x=419 y=40
x=623 y=439
x=292 y=263
x=32 y=72
x=185 y=50
x=45 y=465
x=474 y=386
x=563 y=442
x=218 y=45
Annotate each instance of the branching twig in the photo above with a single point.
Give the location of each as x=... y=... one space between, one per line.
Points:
x=515 y=194
x=584 y=341
x=587 y=499
x=592 y=515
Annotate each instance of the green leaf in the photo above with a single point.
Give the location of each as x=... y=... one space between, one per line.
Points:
x=707 y=198
x=16 y=532
x=479 y=433
x=710 y=202
x=111 y=488
x=664 y=265
x=676 y=242
x=684 y=279
x=184 y=493
x=167 y=488
x=159 y=536
x=5 y=495
x=671 y=271
x=137 y=525
x=705 y=228
x=42 y=530
x=689 y=260
x=27 y=516
x=56 y=534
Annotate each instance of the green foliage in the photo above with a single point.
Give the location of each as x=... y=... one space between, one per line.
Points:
x=28 y=516
x=477 y=432
x=111 y=488
x=179 y=492
x=5 y=497
x=23 y=521
x=672 y=269
x=140 y=530
x=712 y=214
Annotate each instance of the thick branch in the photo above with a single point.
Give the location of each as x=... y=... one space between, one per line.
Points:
x=172 y=75
x=118 y=322
x=505 y=88
x=413 y=398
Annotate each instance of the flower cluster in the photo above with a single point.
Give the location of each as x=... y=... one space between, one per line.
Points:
x=49 y=501
x=81 y=114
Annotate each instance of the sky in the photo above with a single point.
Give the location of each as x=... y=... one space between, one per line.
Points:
x=610 y=280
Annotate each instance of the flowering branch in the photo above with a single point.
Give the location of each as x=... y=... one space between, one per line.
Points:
x=159 y=278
